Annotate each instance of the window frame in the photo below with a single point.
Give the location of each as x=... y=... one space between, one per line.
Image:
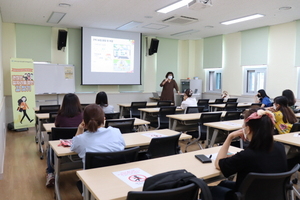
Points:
x=211 y=80
x=256 y=69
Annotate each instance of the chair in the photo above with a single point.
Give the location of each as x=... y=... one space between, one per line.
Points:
x=230 y=106
x=200 y=135
x=115 y=115
x=295 y=127
x=52 y=117
x=125 y=125
x=161 y=146
x=48 y=108
x=232 y=100
x=232 y=115
x=219 y=101
x=103 y=159
x=164 y=103
x=204 y=102
x=262 y=186
x=83 y=105
x=194 y=109
x=63 y=133
x=187 y=192
x=134 y=108
x=162 y=119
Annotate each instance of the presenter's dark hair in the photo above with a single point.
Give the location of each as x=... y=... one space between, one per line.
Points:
x=70 y=106
x=290 y=96
x=287 y=113
x=101 y=99
x=93 y=117
x=170 y=73
x=262 y=130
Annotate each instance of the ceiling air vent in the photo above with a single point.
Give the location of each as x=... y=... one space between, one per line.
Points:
x=181 y=20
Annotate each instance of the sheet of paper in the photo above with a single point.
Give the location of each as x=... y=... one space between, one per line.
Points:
x=296 y=135
x=133 y=177
x=153 y=134
x=231 y=124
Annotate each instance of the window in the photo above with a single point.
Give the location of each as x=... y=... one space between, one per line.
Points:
x=254 y=78
x=214 y=78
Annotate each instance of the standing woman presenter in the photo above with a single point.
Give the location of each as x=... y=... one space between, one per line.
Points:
x=168 y=85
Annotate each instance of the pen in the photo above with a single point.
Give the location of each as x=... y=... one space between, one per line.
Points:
x=210 y=156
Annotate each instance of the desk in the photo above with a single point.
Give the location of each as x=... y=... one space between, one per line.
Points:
x=131 y=140
x=104 y=185
x=222 y=106
x=230 y=125
x=144 y=111
x=297 y=115
x=39 y=135
x=185 y=118
x=128 y=105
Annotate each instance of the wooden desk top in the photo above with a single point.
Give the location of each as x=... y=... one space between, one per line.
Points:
x=150 y=104
x=42 y=115
x=223 y=105
x=297 y=115
x=131 y=140
x=104 y=185
x=289 y=138
x=190 y=116
x=156 y=109
x=229 y=125
x=137 y=122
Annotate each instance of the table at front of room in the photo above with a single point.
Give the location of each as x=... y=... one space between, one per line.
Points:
x=123 y=106
x=186 y=119
x=39 y=135
x=102 y=184
x=214 y=128
x=214 y=107
x=141 y=139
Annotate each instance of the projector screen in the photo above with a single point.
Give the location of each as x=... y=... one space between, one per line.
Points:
x=110 y=57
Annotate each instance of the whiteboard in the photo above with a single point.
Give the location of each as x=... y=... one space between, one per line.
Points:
x=54 y=78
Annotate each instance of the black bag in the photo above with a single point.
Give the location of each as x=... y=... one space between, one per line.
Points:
x=175 y=179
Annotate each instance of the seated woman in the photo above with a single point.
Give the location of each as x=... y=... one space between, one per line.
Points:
x=284 y=116
x=188 y=100
x=263 y=155
x=96 y=138
x=291 y=99
x=101 y=100
x=225 y=95
x=263 y=98
x=69 y=115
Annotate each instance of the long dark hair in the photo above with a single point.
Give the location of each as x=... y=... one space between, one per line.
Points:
x=290 y=96
x=101 y=99
x=262 y=130
x=93 y=117
x=262 y=94
x=287 y=113
x=70 y=106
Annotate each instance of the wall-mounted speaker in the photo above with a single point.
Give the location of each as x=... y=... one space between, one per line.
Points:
x=61 y=39
x=153 y=46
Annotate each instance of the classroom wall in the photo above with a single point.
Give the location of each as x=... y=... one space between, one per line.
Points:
x=2 y=109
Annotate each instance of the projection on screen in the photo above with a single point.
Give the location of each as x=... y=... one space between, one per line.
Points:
x=110 y=57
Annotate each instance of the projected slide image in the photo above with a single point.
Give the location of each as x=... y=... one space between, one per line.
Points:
x=112 y=55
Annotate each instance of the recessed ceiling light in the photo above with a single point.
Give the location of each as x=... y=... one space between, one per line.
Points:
x=174 y=6
x=242 y=19
x=129 y=25
x=285 y=8
x=64 y=5
x=56 y=17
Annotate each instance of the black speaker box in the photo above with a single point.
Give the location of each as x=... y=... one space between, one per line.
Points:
x=153 y=46
x=61 y=39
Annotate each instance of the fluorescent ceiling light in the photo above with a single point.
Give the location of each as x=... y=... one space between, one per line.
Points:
x=174 y=6
x=129 y=25
x=56 y=17
x=242 y=19
x=185 y=32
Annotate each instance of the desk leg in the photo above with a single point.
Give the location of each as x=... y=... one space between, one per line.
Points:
x=40 y=139
x=57 y=173
x=213 y=138
x=172 y=124
x=143 y=114
x=121 y=111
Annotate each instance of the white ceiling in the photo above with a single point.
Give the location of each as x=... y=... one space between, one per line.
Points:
x=111 y=14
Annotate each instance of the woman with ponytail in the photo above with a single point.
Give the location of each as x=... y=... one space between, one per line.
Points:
x=188 y=100
x=96 y=138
